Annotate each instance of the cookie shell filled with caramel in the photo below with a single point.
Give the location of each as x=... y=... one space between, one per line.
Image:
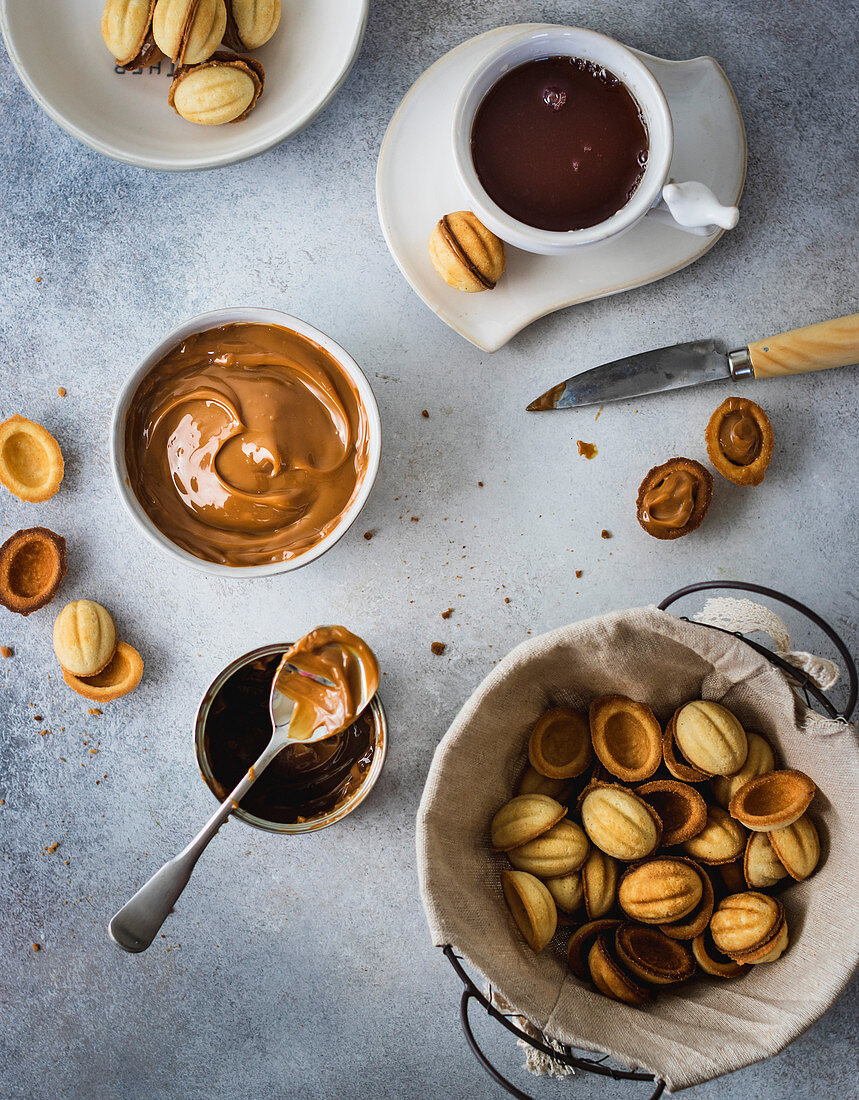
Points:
x=673 y=498
x=32 y=567
x=739 y=440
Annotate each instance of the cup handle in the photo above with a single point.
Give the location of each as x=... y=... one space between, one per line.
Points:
x=693 y=208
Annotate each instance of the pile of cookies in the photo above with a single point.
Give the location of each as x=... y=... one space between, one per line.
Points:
x=668 y=846
x=210 y=86
x=95 y=663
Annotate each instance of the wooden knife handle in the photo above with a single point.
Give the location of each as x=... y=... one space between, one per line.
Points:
x=815 y=347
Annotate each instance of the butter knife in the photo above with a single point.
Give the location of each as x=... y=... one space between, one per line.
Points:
x=815 y=347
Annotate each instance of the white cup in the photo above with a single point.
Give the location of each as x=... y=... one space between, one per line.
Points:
x=690 y=206
x=243 y=315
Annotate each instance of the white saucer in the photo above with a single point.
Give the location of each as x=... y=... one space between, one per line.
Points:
x=416 y=184
x=59 y=54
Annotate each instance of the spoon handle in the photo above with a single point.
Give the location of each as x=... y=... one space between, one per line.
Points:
x=136 y=924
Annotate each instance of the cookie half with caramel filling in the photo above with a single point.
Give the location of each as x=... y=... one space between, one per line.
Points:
x=674 y=497
x=740 y=441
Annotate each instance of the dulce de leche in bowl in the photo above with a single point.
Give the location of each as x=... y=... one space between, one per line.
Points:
x=248 y=445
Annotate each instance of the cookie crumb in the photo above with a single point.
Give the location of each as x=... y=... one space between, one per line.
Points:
x=93 y=710
x=605 y=534
x=507 y=599
x=38 y=278
x=50 y=848
x=368 y=535
x=599 y=410
x=37 y=718
x=61 y=390
x=437 y=648
x=37 y=947
x=7 y=651
x=447 y=614
x=425 y=414
x=586 y=450
x=480 y=483
x=415 y=519
x=578 y=572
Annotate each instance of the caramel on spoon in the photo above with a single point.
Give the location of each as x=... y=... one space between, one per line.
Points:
x=321 y=686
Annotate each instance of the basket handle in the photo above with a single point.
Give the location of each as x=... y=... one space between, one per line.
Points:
x=471 y=992
x=791 y=670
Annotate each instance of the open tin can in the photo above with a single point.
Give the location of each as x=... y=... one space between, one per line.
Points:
x=374 y=715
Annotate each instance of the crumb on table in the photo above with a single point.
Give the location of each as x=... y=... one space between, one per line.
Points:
x=447 y=614
x=578 y=572
x=605 y=534
x=425 y=414
x=61 y=390
x=437 y=648
x=6 y=651
x=93 y=710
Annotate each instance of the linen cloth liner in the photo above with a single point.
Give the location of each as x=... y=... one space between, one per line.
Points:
x=701 y=1029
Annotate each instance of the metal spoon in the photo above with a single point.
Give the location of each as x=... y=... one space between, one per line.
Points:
x=135 y=926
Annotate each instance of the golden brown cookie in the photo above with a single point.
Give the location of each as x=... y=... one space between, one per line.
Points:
x=120 y=677
x=722 y=840
x=523 y=818
x=567 y=891
x=710 y=737
x=620 y=823
x=599 y=883
x=681 y=808
x=712 y=961
x=532 y=906
x=84 y=637
x=561 y=850
x=773 y=800
x=674 y=497
x=660 y=890
x=560 y=744
x=609 y=976
x=31 y=462
x=797 y=847
x=761 y=866
x=32 y=567
x=747 y=927
x=649 y=955
x=740 y=441
x=467 y=255
x=581 y=941
x=223 y=89
x=626 y=736
x=759 y=760
x=675 y=762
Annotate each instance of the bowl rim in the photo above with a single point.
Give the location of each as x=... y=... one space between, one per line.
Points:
x=380 y=721
x=185 y=163
x=518 y=233
x=212 y=319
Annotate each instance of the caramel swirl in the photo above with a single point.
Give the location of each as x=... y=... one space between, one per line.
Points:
x=740 y=437
x=671 y=500
x=339 y=656
x=246 y=444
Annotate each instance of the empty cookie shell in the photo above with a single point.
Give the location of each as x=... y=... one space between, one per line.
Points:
x=648 y=954
x=32 y=567
x=661 y=890
x=121 y=676
x=681 y=769
x=599 y=883
x=711 y=738
x=722 y=839
x=681 y=808
x=712 y=961
x=560 y=744
x=560 y=850
x=773 y=801
x=627 y=737
x=760 y=759
x=609 y=976
x=579 y=944
x=525 y=817
x=694 y=923
x=31 y=462
x=619 y=822
x=532 y=906
x=797 y=847
x=761 y=866
x=567 y=891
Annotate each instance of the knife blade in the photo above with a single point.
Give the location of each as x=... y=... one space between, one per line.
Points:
x=815 y=347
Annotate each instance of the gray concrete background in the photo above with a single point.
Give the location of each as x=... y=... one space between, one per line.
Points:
x=301 y=968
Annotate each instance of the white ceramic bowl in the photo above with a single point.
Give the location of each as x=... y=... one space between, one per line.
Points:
x=57 y=49
x=528 y=45
x=242 y=315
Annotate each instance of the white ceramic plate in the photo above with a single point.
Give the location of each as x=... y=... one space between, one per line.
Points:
x=58 y=51
x=416 y=183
